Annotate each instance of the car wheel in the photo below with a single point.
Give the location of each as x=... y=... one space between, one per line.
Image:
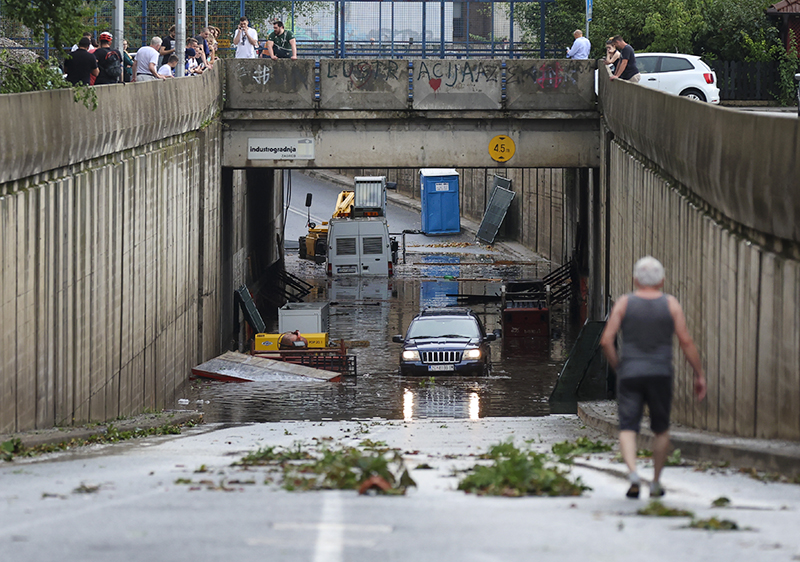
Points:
x=693 y=94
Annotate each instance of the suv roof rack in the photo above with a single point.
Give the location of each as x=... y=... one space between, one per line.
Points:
x=446 y=312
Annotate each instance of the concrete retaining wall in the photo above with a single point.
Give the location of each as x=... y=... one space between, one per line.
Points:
x=109 y=250
x=715 y=217
x=43 y=131
x=744 y=166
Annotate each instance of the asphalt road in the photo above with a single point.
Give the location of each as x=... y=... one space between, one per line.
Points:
x=126 y=502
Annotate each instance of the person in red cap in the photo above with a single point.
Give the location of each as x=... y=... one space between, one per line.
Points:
x=109 y=61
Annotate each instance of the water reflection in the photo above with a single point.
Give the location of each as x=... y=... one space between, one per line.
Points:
x=474 y=406
x=408 y=405
x=371 y=311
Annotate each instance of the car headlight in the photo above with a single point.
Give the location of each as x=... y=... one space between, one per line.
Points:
x=472 y=354
x=411 y=355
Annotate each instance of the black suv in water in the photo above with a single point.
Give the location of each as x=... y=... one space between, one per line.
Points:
x=445 y=340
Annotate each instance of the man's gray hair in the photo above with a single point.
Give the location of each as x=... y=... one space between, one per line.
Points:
x=155 y=41
x=648 y=271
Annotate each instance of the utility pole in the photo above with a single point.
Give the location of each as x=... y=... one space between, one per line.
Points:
x=118 y=23
x=588 y=16
x=180 y=36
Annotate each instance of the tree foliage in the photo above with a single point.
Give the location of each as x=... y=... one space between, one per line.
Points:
x=63 y=20
x=726 y=22
x=715 y=29
x=562 y=18
x=673 y=27
x=19 y=77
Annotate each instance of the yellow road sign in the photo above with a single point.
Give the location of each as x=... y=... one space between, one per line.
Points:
x=501 y=148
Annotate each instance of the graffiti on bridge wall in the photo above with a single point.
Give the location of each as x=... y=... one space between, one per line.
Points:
x=365 y=75
x=265 y=75
x=453 y=74
x=546 y=75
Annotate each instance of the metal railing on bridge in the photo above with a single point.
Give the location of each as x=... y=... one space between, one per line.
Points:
x=340 y=29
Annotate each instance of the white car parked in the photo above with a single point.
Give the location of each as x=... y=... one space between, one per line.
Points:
x=682 y=75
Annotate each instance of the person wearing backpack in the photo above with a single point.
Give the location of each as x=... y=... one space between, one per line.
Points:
x=109 y=61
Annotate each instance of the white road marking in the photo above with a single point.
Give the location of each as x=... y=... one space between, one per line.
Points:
x=303 y=214
x=330 y=538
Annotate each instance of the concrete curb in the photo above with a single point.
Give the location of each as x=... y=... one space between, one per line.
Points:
x=64 y=435
x=518 y=251
x=768 y=455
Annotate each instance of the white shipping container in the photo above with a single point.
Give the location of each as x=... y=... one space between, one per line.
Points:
x=308 y=317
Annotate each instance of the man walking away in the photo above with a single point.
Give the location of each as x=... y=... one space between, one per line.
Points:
x=580 y=47
x=144 y=67
x=626 y=64
x=647 y=318
x=281 y=43
x=81 y=64
x=246 y=40
x=109 y=61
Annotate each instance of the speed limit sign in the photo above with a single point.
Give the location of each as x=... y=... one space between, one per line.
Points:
x=501 y=148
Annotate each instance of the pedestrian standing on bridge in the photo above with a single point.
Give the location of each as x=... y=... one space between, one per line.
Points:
x=612 y=54
x=281 y=43
x=246 y=40
x=626 y=68
x=144 y=66
x=647 y=319
x=580 y=47
x=81 y=65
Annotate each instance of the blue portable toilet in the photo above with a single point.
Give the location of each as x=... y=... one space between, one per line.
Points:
x=439 y=198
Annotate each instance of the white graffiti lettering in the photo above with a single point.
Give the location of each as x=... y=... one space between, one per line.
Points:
x=261 y=75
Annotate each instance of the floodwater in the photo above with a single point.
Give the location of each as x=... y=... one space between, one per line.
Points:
x=368 y=312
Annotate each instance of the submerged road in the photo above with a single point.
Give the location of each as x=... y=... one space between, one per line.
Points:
x=179 y=498
x=371 y=310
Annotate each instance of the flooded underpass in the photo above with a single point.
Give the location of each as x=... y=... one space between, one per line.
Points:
x=367 y=312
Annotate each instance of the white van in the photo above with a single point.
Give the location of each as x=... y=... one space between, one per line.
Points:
x=360 y=247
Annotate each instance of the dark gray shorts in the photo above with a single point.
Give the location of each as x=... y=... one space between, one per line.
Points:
x=633 y=393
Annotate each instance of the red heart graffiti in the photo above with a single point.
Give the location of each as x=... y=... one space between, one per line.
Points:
x=435 y=83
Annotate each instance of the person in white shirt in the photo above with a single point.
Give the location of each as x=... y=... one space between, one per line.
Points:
x=246 y=40
x=91 y=48
x=580 y=48
x=168 y=69
x=144 y=67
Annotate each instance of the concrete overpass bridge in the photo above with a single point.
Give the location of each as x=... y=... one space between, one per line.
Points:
x=416 y=113
x=125 y=230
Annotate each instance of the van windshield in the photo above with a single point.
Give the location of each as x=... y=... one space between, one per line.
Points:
x=443 y=327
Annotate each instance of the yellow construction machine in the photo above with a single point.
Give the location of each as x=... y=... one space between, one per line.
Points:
x=314 y=245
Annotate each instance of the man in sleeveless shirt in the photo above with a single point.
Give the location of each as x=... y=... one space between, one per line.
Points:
x=647 y=319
